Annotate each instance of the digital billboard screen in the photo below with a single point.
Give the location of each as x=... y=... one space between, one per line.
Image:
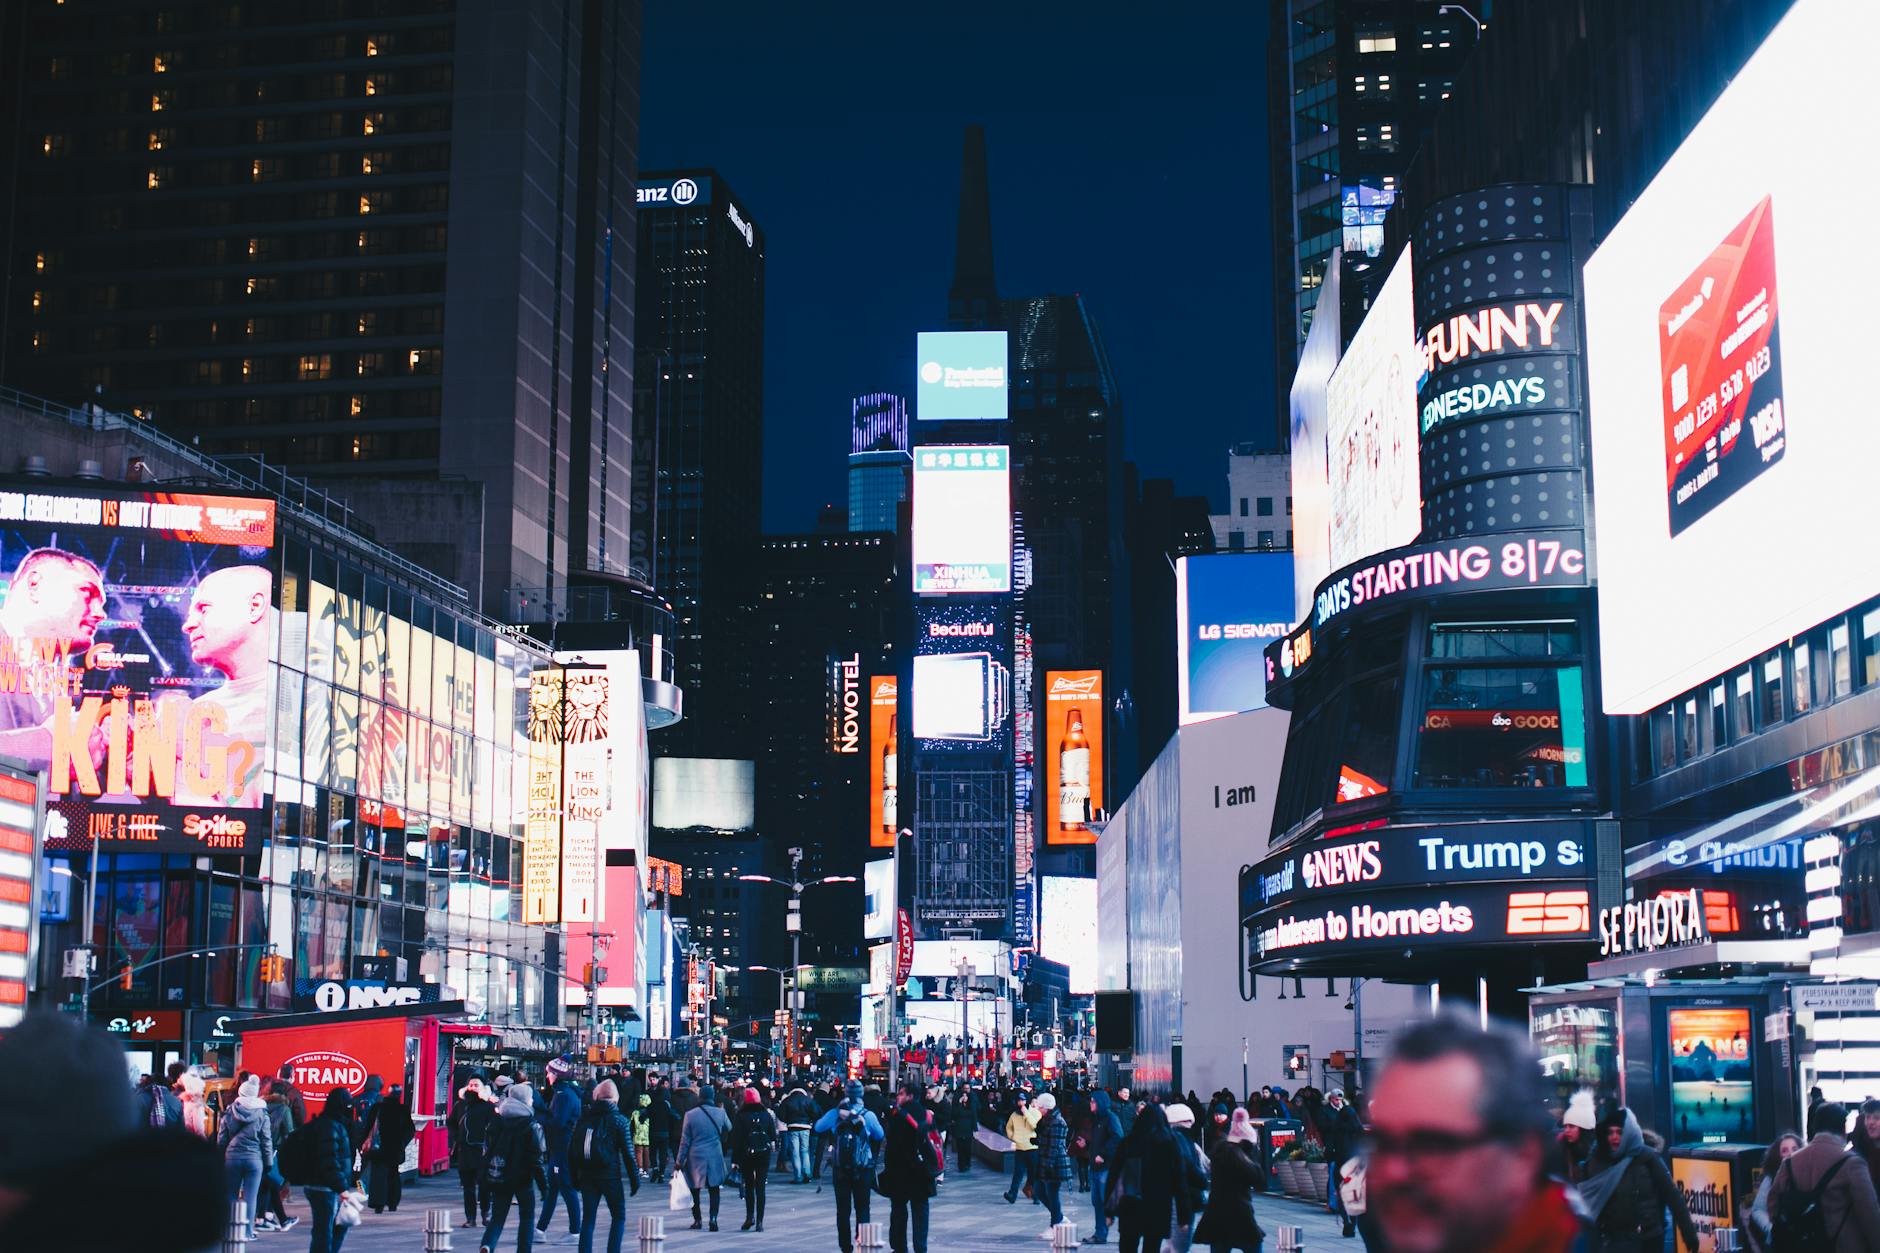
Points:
x=1371 y=428
x=884 y=760
x=1073 y=754
x=962 y=518
x=1228 y=608
x=1724 y=303
x=1713 y=1069
x=962 y=679
x=1068 y=930
x=878 y=899
x=137 y=649
x=709 y=793
x=1311 y=475
x=961 y=376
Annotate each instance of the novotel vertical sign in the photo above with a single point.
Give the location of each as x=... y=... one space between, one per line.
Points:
x=845 y=704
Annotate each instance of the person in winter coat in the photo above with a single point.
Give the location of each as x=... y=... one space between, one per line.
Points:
x=273 y=1185
x=855 y=1136
x=1340 y=1130
x=1148 y=1185
x=296 y=1103
x=1866 y=1138
x=189 y=1091
x=387 y=1131
x=1576 y=1135
x=1020 y=1129
x=514 y=1165
x=1103 y=1135
x=1054 y=1161
x=640 y=1123
x=469 y=1131
x=909 y=1167
x=157 y=1104
x=1628 y=1188
x=601 y=1152
x=798 y=1114
x=662 y=1130
x=1761 y=1224
x=564 y=1110
x=247 y=1146
x=1849 y=1208
x=329 y=1170
x=701 y=1154
x=754 y=1139
x=1124 y=1107
x=962 y=1122
x=1220 y=1113
x=1227 y=1221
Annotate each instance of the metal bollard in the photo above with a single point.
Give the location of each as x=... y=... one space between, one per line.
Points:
x=652 y=1232
x=1726 y=1240
x=869 y=1236
x=236 y=1240
x=1064 y=1235
x=437 y=1231
x=1291 y=1239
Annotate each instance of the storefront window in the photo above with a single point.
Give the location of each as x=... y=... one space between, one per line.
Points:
x=1744 y=688
x=1801 y=685
x=1578 y=1043
x=1870 y=647
x=1840 y=661
x=1367 y=749
x=1502 y=726
x=1769 y=689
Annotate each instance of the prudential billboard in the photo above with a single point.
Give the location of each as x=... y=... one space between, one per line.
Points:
x=960 y=375
x=1228 y=607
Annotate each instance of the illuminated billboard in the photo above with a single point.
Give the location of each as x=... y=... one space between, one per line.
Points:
x=961 y=375
x=962 y=683
x=706 y=793
x=1725 y=302
x=962 y=518
x=878 y=890
x=1073 y=754
x=1371 y=428
x=19 y=904
x=1068 y=930
x=1228 y=608
x=137 y=641
x=1311 y=475
x=884 y=760
x=845 y=704
x=542 y=827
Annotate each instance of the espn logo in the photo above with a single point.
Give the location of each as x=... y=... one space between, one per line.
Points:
x=1550 y=913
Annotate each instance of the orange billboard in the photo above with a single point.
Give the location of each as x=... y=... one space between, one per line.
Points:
x=1073 y=754
x=884 y=760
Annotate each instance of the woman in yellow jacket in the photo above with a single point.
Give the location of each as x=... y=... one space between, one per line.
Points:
x=1020 y=1129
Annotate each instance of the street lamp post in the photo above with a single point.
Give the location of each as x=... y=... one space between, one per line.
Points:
x=793 y=923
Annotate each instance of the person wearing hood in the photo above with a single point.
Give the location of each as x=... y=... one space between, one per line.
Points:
x=1628 y=1188
x=798 y=1113
x=1849 y=1209
x=247 y=1148
x=273 y=1184
x=1227 y=1220
x=469 y=1131
x=1103 y=1135
x=1340 y=1130
x=856 y=1136
x=1054 y=1159
x=69 y=1124
x=602 y=1153
x=189 y=1091
x=564 y=1111
x=1147 y=1186
x=1576 y=1135
x=514 y=1166
x=640 y=1123
x=329 y=1172
x=963 y=1126
x=386 y=1130
x=701 y=1154
x=753 y=1140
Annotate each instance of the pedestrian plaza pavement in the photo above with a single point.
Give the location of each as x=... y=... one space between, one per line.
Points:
x=969 y=1215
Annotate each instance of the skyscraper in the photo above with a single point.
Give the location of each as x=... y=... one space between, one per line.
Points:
x=347 y=243
x=700 y=354
x=880 y=467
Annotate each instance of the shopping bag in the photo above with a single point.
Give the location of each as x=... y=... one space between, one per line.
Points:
x=681 y=1197
x=352 y=1208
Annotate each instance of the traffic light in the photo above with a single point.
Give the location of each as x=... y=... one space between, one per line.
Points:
x=273 y=968
x=124 y=977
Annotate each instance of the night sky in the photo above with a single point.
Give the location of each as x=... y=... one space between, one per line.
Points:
x=1127 y=151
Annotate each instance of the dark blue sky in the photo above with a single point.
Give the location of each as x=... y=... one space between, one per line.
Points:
x=1127 y=148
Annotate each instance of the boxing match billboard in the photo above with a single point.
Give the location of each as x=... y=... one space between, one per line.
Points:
x=137 y=636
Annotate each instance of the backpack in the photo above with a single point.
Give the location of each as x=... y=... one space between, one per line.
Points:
x=505 y=1162
x=298 y=1154
x=1800 y=1226
x=593 y=1149
x=759 y=1134
x=855 y=1154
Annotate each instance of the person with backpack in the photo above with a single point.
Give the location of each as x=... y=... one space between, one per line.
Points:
x=514 y=1166
x=564 y=1111
x=319 y=1157
x=753 y=1139
x=273 y=1182
x=701 y=1154
x=468 y=1129
x=909 y=1167
x=387 y=1130
x=600 y=1156
x=1823 y=1198
x=247 y=1145
x=798 y=1114
x=855 y=1138
x=296 y=1103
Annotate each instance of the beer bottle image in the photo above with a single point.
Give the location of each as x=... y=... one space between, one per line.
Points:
x=890 y=771
x=1073 y=773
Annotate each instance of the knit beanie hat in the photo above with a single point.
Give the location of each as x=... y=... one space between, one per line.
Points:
x=751 y=1097
x=1045 y=1101
x=1580 y=1111
x=606 y=1091
x=853 y=1090
x=251 y=1086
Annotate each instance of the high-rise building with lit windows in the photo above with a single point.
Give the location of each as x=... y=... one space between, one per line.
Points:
x=881 y=469
x=349 y=239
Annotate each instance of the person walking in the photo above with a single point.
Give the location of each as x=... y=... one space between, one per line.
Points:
x=1341 y=1129
x=1020 y=1129
x=329 y=1171
x=515 y=1165
x=296 y=1102
x=564 y=1111
x=273 y=1185
x=753 y=1139
x=468 y=1129
x=247 y=1143
x=855 y=1136
x=1849 y=1211
x=1103 y=1136
x=1227 y=1221
x=601 y=1155
x=798 y=1113
x=640 y=1123
x=157 y=1104
x=1866 y=1138
x=909 y=1166
x=1627 y=1190
x=387 y=1132
x=701 y=1154
x=662 y=1130
x=962 y=1126
x=1054 y=1159
x=1761 y=1225
x=1146 y=1182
